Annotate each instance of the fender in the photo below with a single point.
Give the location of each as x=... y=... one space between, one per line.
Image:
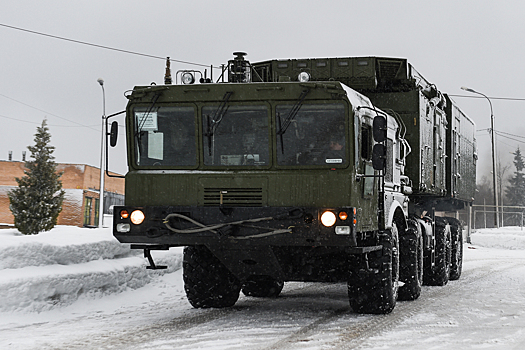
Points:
x=394 y=206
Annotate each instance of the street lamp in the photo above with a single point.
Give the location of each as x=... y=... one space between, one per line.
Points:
x=493 y=139
x=102 y=163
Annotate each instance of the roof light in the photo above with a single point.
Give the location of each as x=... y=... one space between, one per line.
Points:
x=303 y=77
x=187 y=78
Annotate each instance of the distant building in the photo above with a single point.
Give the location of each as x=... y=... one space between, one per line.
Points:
x=81 y=184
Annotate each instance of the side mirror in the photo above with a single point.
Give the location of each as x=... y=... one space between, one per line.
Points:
x=113 y=134
x=379 y=157
x=379 y=128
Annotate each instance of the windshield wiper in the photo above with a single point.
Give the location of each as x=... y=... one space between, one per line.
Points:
x=291 y=115
x=138 y=132
x=217 y=118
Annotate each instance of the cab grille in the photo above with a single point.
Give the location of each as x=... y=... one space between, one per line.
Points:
x=246 y=197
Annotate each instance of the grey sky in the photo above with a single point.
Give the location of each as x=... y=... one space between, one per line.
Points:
x=471 y=43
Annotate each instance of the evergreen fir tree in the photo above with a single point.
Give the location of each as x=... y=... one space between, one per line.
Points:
x=516 y=190
x=37 y=200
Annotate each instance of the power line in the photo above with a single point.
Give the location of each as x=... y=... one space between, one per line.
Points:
x=99 y=46
x=492 y=98
x=506 y=144
x=51 y=114
x=19 y=120
x=506 y=133
x=38 y=123
x=510 y=138
x=502 y=133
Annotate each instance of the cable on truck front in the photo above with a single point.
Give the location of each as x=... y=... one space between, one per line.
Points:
x=214 y=227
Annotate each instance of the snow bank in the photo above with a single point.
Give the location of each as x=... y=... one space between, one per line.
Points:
x=511 y=238
x=55 y=268
x=63 y=245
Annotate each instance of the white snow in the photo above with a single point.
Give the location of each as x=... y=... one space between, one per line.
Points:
x=54 y=269
x=73 y=287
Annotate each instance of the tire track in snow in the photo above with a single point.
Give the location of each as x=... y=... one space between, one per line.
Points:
x=193 y=322
x=329 y=318
x=408 y=309
x=366 y=326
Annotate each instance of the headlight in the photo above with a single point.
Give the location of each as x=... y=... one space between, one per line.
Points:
x=342 y=230
x=123 y=227
x=137 y=217
x=328 y=218
x=187 y=78
x=303 y=77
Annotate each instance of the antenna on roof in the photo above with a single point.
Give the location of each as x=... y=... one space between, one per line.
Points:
x=167 y=76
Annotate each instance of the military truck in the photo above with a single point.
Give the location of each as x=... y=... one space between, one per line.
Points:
x=345 y=170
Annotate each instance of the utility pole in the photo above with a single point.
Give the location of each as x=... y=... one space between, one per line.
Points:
x=102 y=163
x=493 y=140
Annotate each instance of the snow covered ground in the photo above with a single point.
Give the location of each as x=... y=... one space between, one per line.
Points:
x=56 y=268
x=71 y=287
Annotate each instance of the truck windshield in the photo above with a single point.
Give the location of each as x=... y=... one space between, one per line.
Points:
x=315 y=135
x=165 y=136
x=238 y=138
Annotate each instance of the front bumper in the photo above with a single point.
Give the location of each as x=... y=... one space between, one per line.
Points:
x=226 y=226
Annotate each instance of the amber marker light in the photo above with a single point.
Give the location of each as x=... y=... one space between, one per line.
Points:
x=124 y=214
x=343 y=215
x=137 y=217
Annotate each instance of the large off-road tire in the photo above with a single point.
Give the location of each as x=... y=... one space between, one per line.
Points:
x=411 y=262
x=207 y=282
x=375 y=292
x=456 y=262
x=262 y=287
x=438 y=274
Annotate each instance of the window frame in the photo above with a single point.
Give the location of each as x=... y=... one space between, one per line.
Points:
x=134 y=145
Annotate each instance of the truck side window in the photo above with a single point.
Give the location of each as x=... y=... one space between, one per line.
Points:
x=366 y=142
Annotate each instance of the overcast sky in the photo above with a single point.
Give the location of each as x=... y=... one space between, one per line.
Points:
x=474 y=43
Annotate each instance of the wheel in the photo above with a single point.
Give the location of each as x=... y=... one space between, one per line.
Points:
x=438 y=274
x=456 y=263
x=374 y=291
x=262 y=287
x=207 y=282
x=411 y=262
